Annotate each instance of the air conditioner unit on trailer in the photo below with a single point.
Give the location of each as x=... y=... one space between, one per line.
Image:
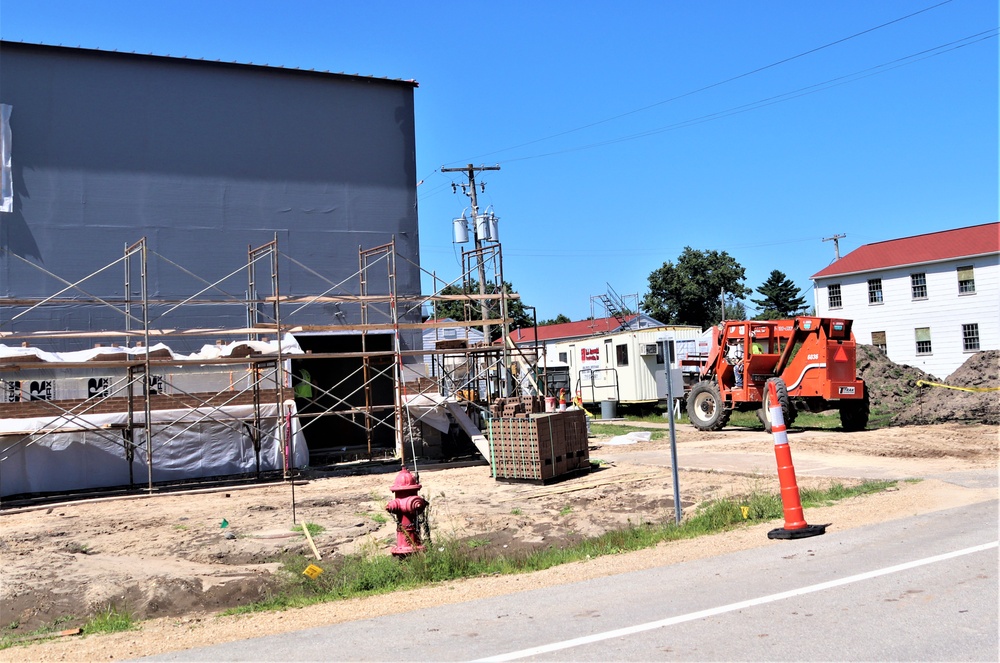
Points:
x=647 y=349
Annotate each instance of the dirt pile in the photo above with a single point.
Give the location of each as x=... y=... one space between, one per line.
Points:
x=903 y=395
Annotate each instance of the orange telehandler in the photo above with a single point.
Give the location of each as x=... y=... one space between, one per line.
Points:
x=810 y=360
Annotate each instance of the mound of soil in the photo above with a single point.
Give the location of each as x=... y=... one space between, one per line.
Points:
x=903 y=395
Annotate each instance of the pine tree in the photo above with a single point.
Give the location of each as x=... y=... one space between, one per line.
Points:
x=781 y=299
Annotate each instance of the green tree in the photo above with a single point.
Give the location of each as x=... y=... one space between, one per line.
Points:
x=471 y=310
x=687 y=293
x=558 y=320
x=782 y=299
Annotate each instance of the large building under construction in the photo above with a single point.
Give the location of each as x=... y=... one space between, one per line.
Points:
x=154 y=207
x=203 y=160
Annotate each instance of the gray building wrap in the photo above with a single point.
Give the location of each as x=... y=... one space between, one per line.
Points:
x=203 y=159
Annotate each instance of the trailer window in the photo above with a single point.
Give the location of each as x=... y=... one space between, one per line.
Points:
x=621 y=355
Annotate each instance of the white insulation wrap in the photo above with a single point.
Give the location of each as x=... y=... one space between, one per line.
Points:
x=89 y=452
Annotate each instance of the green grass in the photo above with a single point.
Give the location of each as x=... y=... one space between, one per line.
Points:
x=109 y=620
x=611 y=430
x=314 y=529
x=804 y=419
x=374 y=572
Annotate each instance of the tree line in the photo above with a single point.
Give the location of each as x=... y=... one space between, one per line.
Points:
x=687 y=291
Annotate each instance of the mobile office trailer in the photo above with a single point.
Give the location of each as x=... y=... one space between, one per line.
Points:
x=628 y=366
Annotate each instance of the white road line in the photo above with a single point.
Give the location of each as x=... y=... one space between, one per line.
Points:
x=711 y=612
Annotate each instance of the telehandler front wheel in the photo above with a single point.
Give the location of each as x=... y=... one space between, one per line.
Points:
x=705 y=407
x=787 y=407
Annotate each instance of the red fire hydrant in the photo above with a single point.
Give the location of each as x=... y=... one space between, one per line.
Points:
x=406 y=507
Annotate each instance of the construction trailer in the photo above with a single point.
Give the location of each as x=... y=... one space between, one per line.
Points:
x=628 y=367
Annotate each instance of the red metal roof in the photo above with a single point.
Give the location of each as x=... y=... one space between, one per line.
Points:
x=932 y=247
x=568 y=330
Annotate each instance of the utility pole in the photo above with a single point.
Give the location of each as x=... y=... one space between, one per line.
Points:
x=471 y=171
x=836 y=244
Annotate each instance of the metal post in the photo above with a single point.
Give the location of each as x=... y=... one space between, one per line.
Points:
x=668 y=360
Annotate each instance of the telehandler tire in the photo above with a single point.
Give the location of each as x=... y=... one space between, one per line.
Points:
x=854 y=414
x=787 y=407
x=705 y=407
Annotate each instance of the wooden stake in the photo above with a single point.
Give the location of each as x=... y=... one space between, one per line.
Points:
x=305 y=528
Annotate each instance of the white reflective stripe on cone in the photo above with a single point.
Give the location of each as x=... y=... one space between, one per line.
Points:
x=778 y=426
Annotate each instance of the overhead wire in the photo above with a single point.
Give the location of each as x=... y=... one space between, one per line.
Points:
x=784 y=96
x=710 y=86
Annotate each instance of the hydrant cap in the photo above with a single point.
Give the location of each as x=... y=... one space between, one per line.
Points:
x=405 y=481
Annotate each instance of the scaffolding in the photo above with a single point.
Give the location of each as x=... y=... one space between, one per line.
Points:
x=260 y=379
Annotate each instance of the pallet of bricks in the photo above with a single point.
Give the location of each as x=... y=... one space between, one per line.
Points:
x=531 y=445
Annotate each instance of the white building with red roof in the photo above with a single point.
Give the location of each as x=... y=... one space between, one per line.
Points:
x=928 y=301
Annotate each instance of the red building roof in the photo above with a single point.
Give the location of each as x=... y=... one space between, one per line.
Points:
x=579 y=329
x=932 y=247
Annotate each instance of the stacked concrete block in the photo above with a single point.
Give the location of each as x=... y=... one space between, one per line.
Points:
x=539 y=447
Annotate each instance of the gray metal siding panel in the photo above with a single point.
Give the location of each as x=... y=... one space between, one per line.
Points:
x=203 y=160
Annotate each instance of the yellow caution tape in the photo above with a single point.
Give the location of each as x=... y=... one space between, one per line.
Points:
x=924 y=383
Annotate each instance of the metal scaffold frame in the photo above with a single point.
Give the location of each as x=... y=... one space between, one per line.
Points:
x=263 y=378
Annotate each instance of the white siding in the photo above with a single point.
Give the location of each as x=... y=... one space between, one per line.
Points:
x=944 y=311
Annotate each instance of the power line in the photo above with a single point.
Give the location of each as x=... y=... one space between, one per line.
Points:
x=712 y=85
x=783 y=97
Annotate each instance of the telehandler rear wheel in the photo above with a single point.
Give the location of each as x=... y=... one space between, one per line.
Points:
x=705 y=407
x=854 y=414
x=787 y=407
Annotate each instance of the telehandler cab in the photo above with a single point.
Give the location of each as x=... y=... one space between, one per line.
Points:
x=810 y=360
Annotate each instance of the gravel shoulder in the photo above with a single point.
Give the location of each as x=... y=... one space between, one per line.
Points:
x=167 y=558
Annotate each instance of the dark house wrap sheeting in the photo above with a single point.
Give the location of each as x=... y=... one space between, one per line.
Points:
x=203 y=159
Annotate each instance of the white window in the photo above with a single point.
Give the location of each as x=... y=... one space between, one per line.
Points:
x=967 y=280
x=970 y=337
x=923 y=337
x=878 y=340
x=874 y=291
x=833 y=294
x=918 y=285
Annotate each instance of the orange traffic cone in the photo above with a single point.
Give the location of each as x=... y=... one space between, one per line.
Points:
x=562 y=400
x=795 y=524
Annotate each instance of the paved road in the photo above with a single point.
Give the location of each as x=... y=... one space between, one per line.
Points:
x=920 y=588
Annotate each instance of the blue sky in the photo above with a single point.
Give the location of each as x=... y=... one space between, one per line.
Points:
x=627 y=131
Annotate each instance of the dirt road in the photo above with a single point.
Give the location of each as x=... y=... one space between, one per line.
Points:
x=169 y=560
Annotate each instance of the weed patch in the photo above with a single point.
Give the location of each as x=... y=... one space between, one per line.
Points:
x=374 y=572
